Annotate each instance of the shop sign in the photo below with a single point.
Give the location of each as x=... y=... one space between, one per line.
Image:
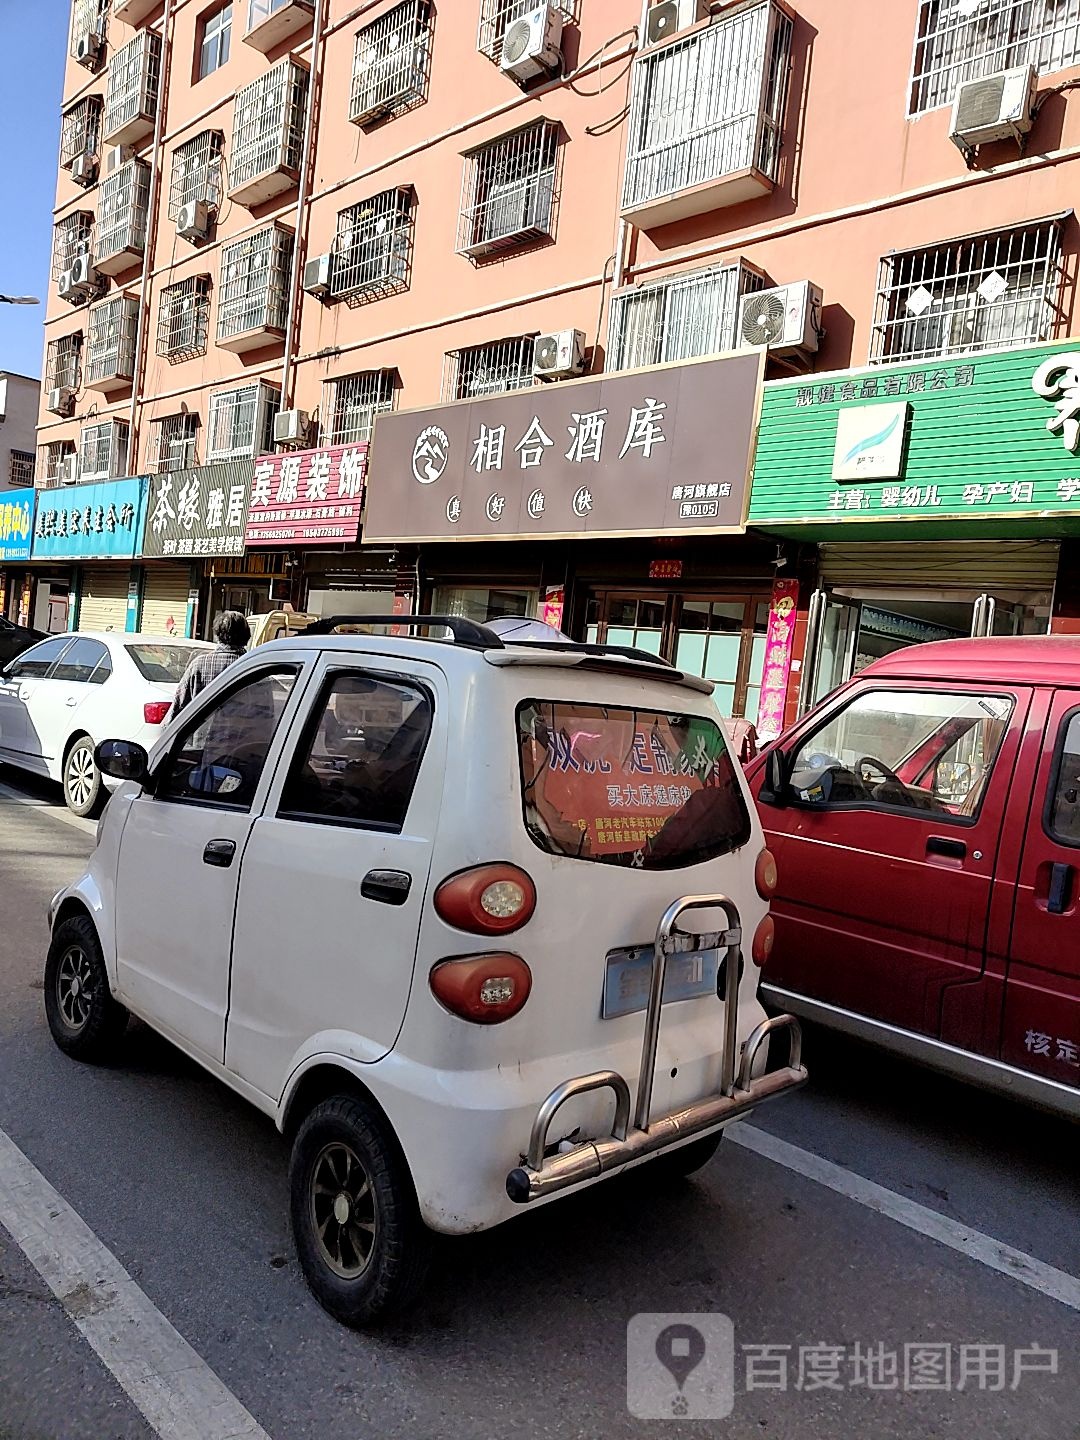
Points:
x=90 y=522
x=199 y=511
x=308 y=497
x=663 y=451
x=665 y=569
x=779 y=641
x=16 y=523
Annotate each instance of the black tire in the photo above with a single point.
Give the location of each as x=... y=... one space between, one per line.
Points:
x=678 y=1164
x=85 y=793
x=374 y=1209
x=86 y=1022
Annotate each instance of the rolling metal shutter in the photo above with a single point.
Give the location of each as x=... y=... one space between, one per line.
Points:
x=103 y=596
x=980 y=565
x=165 y=599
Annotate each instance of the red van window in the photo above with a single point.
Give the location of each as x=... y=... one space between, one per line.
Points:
x=623 y=786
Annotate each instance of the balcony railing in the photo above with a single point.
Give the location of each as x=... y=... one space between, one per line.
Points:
x=132 y=94
x=679 y=319
x=373 y=247
x=391 y=63
x=110 y=350
x=122 y=218
x=268 y=132
x=253 y=290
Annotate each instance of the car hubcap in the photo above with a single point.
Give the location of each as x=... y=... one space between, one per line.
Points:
x=80 y=775
x=75 y=987
x=342 y=1210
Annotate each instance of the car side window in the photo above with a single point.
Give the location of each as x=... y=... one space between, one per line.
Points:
x=905 y=750
x=37 y=660
x=1063 y=808
x=219 y=758
x=360 y=754
x=80 y=661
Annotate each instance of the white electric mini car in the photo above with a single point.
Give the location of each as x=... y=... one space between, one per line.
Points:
x=476 y=922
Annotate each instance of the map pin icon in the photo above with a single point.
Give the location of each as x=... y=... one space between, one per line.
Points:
x=680 y=1349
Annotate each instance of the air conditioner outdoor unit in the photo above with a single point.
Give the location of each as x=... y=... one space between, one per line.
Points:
x=317 y=276
x=68 y=470
x=558 y=356
x=785 y=320
x=291 y=427
x=84 y=169
x=80 y=280
x=193 y=220
x=531 y=45
x=667 y=17
x=117 y=155
x=88 y=49
x=61 y=401
x=996 y=107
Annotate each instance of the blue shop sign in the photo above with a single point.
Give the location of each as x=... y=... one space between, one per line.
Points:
x=91 y=522
x=16 y=523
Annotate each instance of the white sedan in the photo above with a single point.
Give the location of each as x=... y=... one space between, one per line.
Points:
x=62 y=696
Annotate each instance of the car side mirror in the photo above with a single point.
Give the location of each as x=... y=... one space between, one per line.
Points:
x=123 y=760
x=776 y=788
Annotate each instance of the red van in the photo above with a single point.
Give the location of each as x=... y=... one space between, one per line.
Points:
x=925 y=820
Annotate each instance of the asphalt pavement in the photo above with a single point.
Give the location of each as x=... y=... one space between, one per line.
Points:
x=899 y=1255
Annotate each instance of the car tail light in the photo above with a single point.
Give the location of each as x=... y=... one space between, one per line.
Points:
x=762 y=945
x=488 y=900
x=766 y=877
x=154 y=711
x=485 y=989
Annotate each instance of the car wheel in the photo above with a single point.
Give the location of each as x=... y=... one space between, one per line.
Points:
x=362 y=1244
x=86 y=1022
x=84 y=789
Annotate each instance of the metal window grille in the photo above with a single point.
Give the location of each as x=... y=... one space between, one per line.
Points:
x=253 y=290
x=372 y=251
x=496 y=17
x=175 y=439
x=981 y=292
x=489 y=369
x=510 y=191
x=51 y=462
x=80 y=130
x=268 y=123
x=110 y=345
x=21 y=467
x=242 y=421
x=956 y=42
x=103 y=450
x=350 y=404
x=710 y=105
x=88 y=17
x=184 y=318
x=62 y=362
x=678 y=319
x=72 y=236
x=391 y=63
x=134 y=77
x=196 y=171
x=122 y=210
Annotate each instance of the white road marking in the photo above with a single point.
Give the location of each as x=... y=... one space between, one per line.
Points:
x=177 y=1392
x=58 y=812
x=1036 y=1274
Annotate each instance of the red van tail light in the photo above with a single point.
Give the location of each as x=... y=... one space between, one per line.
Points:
x=154 y=711
x=488 y=900
x=762 y=945
x=766 y=877
x=485 y=989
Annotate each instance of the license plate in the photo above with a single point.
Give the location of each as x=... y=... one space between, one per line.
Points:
x=690 y=975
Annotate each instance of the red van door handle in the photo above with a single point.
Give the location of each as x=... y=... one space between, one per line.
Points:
x=943 y=845
x=1057 y=896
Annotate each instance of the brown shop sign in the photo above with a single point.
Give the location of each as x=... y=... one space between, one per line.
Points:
x=649 y=452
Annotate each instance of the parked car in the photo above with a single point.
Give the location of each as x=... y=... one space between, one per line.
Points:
x=422 y=903
x=14 y=639
x=59 y=698
x=925 y=820
x=277 y=625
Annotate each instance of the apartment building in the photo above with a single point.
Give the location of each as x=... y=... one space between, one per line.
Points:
x=279 y=220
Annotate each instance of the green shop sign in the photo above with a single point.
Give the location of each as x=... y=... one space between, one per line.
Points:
x=985 y=444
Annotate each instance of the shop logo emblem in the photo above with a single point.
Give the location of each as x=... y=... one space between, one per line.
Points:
x=453 y=509
x=537 y=502
x=1058 y=379
x=430 y=454
x=870 y=441
x=583 y=502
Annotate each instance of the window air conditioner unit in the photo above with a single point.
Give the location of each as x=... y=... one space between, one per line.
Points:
x=996 y=107
x=61 y=401
x=68 y=470
x=558 y=356
x=531 y=45
x=193 y=220
x=291 y=427
x=785 y=320
x=88 y=49
x=667 y=17
x=317 y=276
x=84 y=169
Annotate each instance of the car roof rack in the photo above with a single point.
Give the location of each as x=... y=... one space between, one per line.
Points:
x=623 y=652
x=465 y=632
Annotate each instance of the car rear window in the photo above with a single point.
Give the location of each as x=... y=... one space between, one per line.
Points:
x=624 y=786
x=162 y=663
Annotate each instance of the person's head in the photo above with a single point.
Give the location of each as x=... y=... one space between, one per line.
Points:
x=232 y=630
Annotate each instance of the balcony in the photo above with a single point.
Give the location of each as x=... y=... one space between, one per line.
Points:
x=134 y=12
x=268 y=133
x=122 y=217
x=132 y=94
x=109 y=362
x=706 y=117
x=272 y=22
x=253 y=292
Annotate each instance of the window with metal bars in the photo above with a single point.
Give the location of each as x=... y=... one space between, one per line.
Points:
x=103 y=450
x=489 y=369
x=351 y=403
x=80 y=130
x=242 y=421
x=391 y=63
x=268 y=124
x=123 y=208
x=88 y=17
x=21 y=467
x=960 y=40
x=52 y=462
x=680 y=318
x=62 y=362
x=196 y=171
x=980 y=292
x=72 y=236
x=710 y=105
x=496 y=17
x=110 y=345
x=253 y=289
x=510 y=191
x=174 y=446
x=372 y=249
x=134 y=77
x=184 y=318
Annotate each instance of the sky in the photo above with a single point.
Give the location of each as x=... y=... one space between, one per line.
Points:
x=33 y=36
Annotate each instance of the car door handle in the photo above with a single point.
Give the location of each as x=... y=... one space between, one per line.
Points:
x=942 y=845
x=219 y=853
x=1057 y=898
x=389 y=886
